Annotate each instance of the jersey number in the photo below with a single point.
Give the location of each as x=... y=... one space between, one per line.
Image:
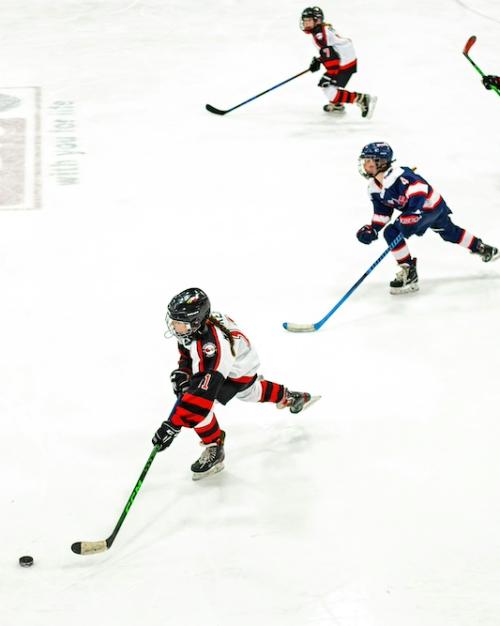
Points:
x=205 y=382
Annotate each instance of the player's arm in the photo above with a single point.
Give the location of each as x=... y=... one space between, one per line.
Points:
x=380 y=218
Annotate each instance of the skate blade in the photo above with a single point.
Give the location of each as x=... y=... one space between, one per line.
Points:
x=371 y=108
x=403 y=290
x=213 y=470
x=307 y=404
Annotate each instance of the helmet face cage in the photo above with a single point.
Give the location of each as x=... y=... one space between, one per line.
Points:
x=311 y=12
x=191 y=307
x=381 y=153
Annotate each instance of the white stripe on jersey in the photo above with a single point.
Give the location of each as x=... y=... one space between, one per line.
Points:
x=416 y=188
x=433 y=200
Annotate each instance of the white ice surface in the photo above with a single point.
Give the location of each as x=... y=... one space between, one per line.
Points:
x=379 y=506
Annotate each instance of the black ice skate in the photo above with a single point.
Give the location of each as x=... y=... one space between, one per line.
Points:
x=406 y=279
x=211 y=459
x=296 y=401
x=366 y=103
x=486 y=252
x=334 y=108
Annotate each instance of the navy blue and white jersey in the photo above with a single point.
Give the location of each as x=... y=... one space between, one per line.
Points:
x=404 y=190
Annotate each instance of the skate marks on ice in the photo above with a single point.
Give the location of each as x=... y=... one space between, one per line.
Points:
x=467 y=7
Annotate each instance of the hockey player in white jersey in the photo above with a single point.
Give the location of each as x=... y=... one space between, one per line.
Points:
x=338 y=57
x=217 y=362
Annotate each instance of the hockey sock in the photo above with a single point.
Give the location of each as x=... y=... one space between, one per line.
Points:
x=345 y=97
x=210 y=432
x=271 y=392
x=468 y=241
x=402 y=253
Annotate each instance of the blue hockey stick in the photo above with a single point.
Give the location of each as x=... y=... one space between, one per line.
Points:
x=308 y=328
x=212 y=109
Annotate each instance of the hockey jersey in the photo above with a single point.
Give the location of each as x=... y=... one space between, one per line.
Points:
x=404 y=190
x=211 y=364
x=336 y=52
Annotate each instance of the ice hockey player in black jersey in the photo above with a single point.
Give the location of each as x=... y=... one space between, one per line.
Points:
x=338 y=57
x=421 y=207
x=216 y=364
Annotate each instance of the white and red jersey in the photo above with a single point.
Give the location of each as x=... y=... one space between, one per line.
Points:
x=344 y=57
x=211 y=351
x=216 y=373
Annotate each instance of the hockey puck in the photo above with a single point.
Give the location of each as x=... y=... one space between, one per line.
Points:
x=26 y=561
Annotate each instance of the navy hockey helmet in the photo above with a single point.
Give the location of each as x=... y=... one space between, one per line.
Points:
x=381 y=152
x=314 y=13
x=192 y=308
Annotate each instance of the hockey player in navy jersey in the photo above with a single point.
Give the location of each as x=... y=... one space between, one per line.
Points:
x=338 y=57
x=217 y=363
x=491 y=81
x=421 y=207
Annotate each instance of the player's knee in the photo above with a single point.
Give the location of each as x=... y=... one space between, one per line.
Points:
x=391 y=232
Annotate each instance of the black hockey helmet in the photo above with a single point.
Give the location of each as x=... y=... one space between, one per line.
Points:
x=192 y=307
x=311 y=12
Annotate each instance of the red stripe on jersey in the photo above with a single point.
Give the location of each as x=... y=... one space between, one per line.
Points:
x=349 y=65
x=197 y=400
x=200 y=355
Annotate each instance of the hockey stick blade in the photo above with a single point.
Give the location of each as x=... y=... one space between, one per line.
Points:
x=299 y=328
x=89 y=547
x=470 y=42
x=212 y=109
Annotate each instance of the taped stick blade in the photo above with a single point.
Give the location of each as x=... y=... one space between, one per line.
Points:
x=89 y=547
x=299 y=328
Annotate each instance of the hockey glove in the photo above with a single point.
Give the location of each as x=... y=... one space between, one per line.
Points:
x=367 y=234
x=180 y=381
x=315 y=65
x=164 y=436
x=491 y=81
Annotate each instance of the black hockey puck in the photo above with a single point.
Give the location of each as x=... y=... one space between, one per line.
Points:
x=25 y=561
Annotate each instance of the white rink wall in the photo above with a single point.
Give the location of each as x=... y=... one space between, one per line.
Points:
x=378 y=506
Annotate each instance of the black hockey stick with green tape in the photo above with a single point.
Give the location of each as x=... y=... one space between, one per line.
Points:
x=93 y=547
x=470 y=42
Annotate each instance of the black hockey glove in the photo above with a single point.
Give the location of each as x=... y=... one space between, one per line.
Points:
x=491 y=81
x=315 y=65
x=164 y=436
x=180 y=381
x=367 y=234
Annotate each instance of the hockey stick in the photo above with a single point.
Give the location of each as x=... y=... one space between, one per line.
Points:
x=93 y=547
x=213 y=109
x=308 y=328
x=470 y=42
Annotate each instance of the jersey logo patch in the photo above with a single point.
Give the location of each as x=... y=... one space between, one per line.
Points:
x=408 y=220
x=209 y=349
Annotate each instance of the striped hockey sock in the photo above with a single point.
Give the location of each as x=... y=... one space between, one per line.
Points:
x=402 y=253
x=271 y=392
x=210 y=432
x=345 y=97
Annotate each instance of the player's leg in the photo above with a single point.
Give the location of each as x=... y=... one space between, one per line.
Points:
x=448 y=231
x=406 y=278
x=338 y=97
x=212 y=438
x=266 y=391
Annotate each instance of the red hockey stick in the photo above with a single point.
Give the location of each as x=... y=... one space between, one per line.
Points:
x=470 y=42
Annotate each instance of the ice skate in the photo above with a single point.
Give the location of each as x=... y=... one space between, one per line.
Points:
x=486 y=252
x=366 y=103
x=334 y=108
x=211 y=459
x=296 y=401
x=406 y=279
